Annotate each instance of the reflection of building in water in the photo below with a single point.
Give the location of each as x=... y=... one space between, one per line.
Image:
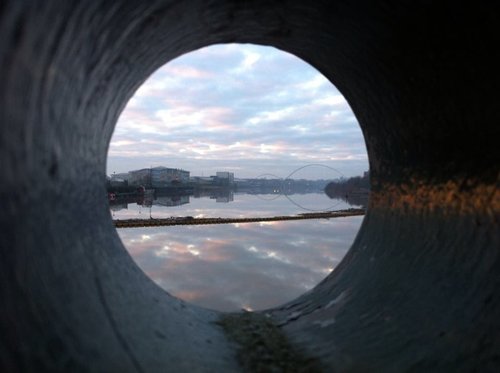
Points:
x=146 y=200
x=170 y=201
x=220 y=194
x=158 y=177
x=118 y=207
x=224 y=197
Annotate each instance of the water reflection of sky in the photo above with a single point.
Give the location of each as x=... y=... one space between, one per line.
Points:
x=241 y=205
x=229 y=267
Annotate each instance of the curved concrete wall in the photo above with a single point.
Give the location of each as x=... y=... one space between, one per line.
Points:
x=419 y=289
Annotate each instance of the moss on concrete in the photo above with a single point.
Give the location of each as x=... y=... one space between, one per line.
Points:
x=263 y=347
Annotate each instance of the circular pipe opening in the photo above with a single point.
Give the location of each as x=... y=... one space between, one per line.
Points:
x=417 y=291
x=240 y=110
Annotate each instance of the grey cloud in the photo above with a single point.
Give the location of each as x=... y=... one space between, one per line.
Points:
x=211 y=81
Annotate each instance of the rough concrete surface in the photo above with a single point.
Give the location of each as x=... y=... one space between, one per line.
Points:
x=419 y=289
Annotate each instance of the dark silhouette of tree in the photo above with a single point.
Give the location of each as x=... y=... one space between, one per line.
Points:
x=357 y=185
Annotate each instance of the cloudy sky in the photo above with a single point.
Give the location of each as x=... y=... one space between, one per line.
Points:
x=246 y=109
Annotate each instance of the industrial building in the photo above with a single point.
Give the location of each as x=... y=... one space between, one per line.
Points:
x=224 y=178
x=158 y=177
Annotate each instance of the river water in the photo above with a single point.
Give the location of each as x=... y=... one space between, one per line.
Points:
x=231 y=267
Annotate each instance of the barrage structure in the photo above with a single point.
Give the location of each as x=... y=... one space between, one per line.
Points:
x=136 y=223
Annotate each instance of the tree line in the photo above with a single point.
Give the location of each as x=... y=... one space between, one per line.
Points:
x=346 y=187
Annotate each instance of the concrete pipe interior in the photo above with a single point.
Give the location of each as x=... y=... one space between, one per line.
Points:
x=419 y=289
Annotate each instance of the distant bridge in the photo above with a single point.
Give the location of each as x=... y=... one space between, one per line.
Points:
x=136 y=223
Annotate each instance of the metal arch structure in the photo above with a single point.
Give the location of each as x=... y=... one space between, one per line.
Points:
x=330 y=207
x=418 y=290
x=292 y=201
x=273 y=175
x=316 y=165
x=274 y=196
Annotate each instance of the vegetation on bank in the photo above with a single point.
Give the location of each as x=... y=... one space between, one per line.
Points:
x=358 y=185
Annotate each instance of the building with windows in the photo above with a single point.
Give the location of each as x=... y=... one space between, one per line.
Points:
x=158 y=177
x=140 y=177
x=165 y=177
x=224 y=178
